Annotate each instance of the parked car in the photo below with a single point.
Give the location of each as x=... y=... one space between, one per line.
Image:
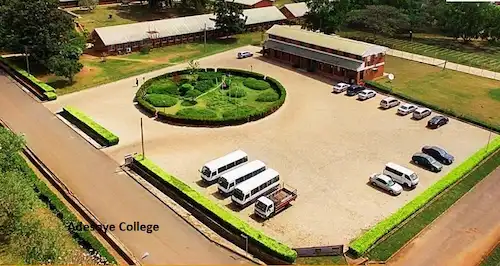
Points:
x=407 y=108
x=437 y=121
x=340 y=87
x=244 y=54
x=427 y=161
x=354 y=89
x=440 y=154
x=386 y=183
x=389 y=102
x=366 y=94
x=401 y=175
x=420 y=113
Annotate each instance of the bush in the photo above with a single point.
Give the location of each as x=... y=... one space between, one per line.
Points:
x=193 y=93
x=185 y=88
x=361 y=244
x=274 y=247
x=188 y=102
x=236 y=92
x=160 y=100
x=50 y=95
x=186 y=78
x=267 y=96
x=379 y=86
x=145 y=49
x=240 y=111
x=210 y=76
x=110 y=138
x=163 y=86
x=256 y=84
x=204 y=85
x=196 y=113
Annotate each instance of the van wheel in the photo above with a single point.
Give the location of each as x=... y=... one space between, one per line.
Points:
x=392 y=193
x=374 y=184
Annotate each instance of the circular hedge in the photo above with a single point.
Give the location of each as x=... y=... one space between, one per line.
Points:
x=197 y=98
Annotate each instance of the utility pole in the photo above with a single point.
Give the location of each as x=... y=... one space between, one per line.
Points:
x=142 y=140
x=205 y=38
x=27 y=61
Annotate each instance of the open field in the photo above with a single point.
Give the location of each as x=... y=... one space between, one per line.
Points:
x=459 y=92
x=493 y=259
x=478 y=53
x=324 y=145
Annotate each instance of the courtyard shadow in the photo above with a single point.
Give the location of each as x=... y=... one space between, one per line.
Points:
x=257 y=218
x=144 y=112
x=203 y=184
x=219 y=196
x=234 y=208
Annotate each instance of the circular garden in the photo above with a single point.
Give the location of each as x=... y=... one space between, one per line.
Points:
x=211 y=96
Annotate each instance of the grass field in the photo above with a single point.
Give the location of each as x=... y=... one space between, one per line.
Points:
x=459 y=92
x=330 y=260
x=384 y=249
x=478 y=54
x=493 y=258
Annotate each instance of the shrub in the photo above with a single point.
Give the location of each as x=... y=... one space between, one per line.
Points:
x=204 y=85
x=238 y=112
x=185 y=88
x=193 y=93
x=188 y=102
x=196 y=113
x=50 y=95
x=211 y=76
x=236 y=92
x=361 y=244
x=186 y=78
x=256 y=84
x=111 y=139
x=267 y=96
x=145 y=49
x=160 y=100
x=273 y=247
x=163 y=86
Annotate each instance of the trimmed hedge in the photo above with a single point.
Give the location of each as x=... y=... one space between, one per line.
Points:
x=163 y=87
x=204 y=85
x=361 y=244
x=213 y=121
x=236 y=92
x=273 y=247
x=84 y=238
x=161 y=100
x=256 y=84
x=193 y=93
x=197 y=113
x=105 y=136
x=239 y=111
x=388 y=90
x=267 y=96
x=210 y=76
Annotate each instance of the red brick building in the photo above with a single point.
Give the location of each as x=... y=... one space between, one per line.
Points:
x=329 y=55
x=251 y=3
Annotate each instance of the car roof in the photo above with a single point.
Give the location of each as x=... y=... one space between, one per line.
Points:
x=341 y=84
x=420 y=154
x=367 y=90
x=408 y=104
x=439 y=149
x=383 y=177
x=421 y=109
x=388 y=99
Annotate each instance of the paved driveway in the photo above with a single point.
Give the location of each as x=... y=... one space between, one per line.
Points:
x=324 y=145
x=110 y=194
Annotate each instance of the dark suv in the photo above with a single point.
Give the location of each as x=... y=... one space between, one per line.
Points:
x=354 y=89
x=439 y=154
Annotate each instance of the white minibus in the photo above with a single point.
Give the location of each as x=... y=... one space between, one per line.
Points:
x=401 y=175
x=213 y=169
x=255 y=187
x=229 y=180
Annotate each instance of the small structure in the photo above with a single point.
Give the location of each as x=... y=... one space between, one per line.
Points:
x=74 y=3
x=251 y=3
x=329 y=55
x=294 y=11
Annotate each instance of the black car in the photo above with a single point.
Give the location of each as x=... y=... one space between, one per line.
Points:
x=354 y=89
x=427 y=161
x=439 y=154
x=437 y=121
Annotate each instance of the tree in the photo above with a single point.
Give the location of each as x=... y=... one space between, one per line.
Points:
x=193 y=66
x=9 y=144
x=89 y=4
x=464 y=20
x=379 y=19
x=326 y=16
x=229 y=17
x=492 y=23
x=66 y=63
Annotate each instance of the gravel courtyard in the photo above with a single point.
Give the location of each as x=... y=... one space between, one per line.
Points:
x=322 y=144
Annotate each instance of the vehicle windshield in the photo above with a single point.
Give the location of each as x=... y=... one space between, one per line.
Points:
x=432 y=160
x=238 y=194
x=223 y=182
x=413 y=176
x=261 y=206
x=390 y=182
x=206 y=171
x=404 y=107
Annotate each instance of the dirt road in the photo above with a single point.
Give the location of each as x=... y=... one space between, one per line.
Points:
x=110 y=194
x=462 y=235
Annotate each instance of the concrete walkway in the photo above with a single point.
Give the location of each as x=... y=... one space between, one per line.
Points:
x=443 y=63
x=463 y=235
x=101 y=185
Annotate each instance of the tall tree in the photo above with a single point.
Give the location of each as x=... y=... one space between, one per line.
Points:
x=326 y=16
x=464 y=20
x=492 y=24
x=379 y=19
x=89 y=4
x=228 y=17
x=66 y=63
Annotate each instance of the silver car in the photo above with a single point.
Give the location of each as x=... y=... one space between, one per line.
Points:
x=386 y=183
x=407 y=108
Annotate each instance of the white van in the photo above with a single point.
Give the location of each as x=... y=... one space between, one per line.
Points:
x=211 y=171
x=229 y=180
x=257 y=186
x=401 y=175
x=389 y=102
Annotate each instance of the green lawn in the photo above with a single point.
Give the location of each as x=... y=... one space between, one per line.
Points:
x=463 y=94
x=329 y=260
x=384 y=249
x=493 y=258
x=477 y=53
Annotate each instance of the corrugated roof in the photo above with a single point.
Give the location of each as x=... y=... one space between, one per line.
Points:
x=177 y=26
x=328 y=41
x=244 y=2
x=297 y=9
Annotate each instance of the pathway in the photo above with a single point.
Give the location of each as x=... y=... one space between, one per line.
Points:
x=463 y=235
x=441 y=63
x=109 y=193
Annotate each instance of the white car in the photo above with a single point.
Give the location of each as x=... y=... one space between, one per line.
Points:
x=407 y=108
x=244 y=54
x=384 y=182
x=340 y=87
x=366 y=94
x=389 y=102
x=421 y=113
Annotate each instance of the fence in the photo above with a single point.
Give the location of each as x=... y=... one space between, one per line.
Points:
x=445 y=64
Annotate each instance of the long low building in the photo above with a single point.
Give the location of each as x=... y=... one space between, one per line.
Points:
x=294 y=11
x=329 y=55
x=130 y=37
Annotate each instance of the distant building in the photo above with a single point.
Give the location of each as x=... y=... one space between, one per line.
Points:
x=74 y=3
x=251 y=3
x=331 y=56
x=294 y=11
x=131 y=37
